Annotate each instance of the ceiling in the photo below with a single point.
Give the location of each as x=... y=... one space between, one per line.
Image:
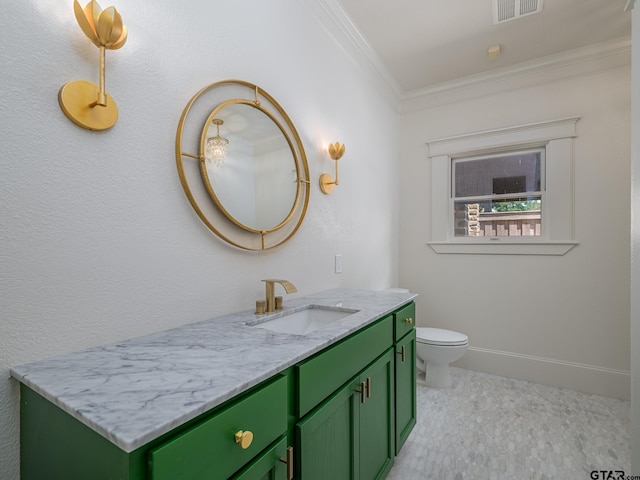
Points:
x=423 y=43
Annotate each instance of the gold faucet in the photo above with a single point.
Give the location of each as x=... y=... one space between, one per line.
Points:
x=270 y=291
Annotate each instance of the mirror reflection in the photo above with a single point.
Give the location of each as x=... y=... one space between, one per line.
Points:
x=256 y=183
x=242 y=165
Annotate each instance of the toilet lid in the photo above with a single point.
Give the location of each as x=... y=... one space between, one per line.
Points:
x=439 y=336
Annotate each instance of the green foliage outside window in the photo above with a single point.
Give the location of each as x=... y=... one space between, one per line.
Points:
x=516 y=206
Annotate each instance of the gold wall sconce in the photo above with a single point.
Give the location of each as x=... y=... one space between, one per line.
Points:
x=336 y=150
x=84 y=103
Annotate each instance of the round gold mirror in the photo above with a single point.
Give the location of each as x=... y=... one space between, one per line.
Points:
x=242 y=165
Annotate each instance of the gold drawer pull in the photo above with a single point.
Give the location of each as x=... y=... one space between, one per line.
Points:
x=363 y=392
x=244 y=439
x=402 y=353
x=409 y=320
x=289 y=462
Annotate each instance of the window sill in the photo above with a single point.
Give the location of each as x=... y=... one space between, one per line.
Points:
x=500 y=247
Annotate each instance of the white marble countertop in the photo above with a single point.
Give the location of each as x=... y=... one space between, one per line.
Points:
x=134 y=391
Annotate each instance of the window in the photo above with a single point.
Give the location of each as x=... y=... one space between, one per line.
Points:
x=505 y=191
x=498 y=195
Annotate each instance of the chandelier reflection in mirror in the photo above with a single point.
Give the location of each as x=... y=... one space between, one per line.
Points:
x=251 y=203
x=216 y=149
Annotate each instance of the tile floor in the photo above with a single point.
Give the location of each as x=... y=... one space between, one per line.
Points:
x=491 y=427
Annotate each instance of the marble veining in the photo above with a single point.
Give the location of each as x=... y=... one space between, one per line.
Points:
x=134 y=391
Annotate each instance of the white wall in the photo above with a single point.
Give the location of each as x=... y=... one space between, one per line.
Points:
x=553 y=319
x=635 y=246
x=99 y=242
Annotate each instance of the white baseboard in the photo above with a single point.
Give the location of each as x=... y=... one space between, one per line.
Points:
x=576 y=376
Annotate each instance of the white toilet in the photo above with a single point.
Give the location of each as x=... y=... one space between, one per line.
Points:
x=436 y=348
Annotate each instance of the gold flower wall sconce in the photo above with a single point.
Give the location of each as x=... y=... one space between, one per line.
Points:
x=84 y=103
x=336 y=150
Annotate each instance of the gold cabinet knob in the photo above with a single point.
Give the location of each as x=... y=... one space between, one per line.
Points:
x=244 y=438
x=409 y=320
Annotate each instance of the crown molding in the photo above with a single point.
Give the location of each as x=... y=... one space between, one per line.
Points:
x=583 y=61
x=331 y=15
x=573 y=63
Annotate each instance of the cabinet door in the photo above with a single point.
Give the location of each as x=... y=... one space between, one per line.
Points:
x=351 y=435
x=268 y=466
x=377 y=419
x=405 y=369
x=327 y=438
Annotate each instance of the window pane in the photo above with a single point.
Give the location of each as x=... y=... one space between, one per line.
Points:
x=516 y=217
x=498 y=175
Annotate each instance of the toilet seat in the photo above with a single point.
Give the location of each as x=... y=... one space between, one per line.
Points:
x=440 y=336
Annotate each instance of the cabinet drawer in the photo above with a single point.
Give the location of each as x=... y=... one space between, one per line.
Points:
x=209 y=449
x=268 y=465
x=321 y=375
x=404 y=321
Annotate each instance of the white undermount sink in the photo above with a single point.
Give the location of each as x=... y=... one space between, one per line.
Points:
x=307 y=320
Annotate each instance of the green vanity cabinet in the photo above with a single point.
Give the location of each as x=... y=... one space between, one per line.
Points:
x=351 y=434
x=55 y=445
x=405 y=373
x=342 y=413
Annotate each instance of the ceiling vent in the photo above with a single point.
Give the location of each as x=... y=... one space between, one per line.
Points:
x=505 y=10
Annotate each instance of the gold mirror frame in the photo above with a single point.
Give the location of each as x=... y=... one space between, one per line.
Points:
x=190 y=160
x=207 y=180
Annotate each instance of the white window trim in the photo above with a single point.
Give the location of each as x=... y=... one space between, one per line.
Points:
x=558 y=235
